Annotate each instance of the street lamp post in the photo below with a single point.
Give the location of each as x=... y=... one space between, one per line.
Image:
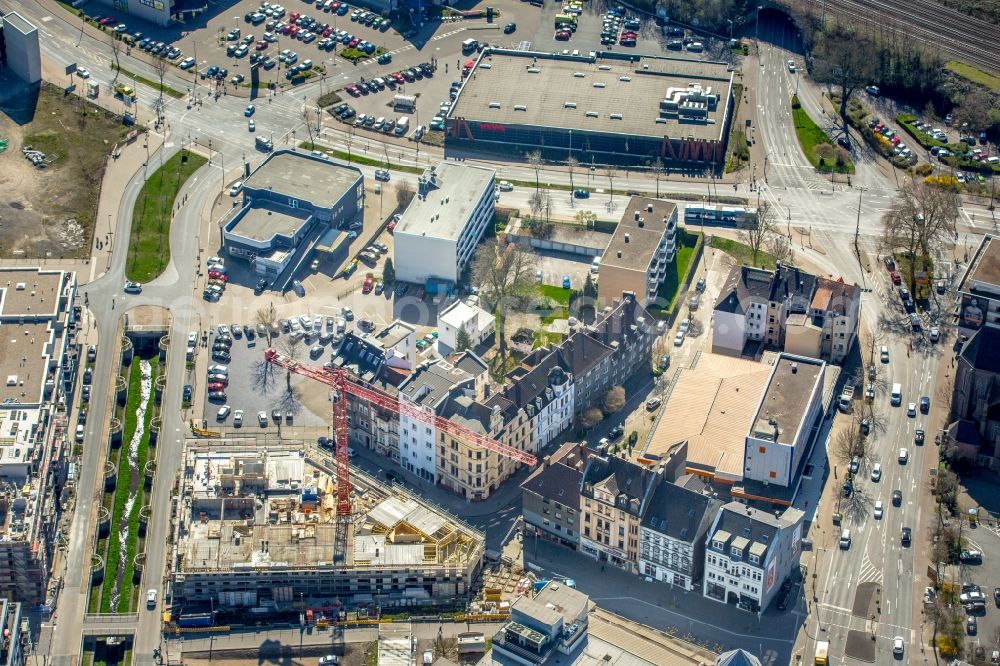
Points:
x=857 y=226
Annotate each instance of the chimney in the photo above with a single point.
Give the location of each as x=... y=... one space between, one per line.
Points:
x=619 y=254
x=545 y=462
x=795 y=368
x=626 y=238
x=649 y=208
x=636 y=215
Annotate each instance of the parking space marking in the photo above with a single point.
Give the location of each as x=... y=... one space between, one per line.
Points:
x=447 y=34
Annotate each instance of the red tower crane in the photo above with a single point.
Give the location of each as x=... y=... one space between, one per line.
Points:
x=344 y=383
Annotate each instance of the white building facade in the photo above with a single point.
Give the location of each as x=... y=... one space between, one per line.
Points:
x=439 y=230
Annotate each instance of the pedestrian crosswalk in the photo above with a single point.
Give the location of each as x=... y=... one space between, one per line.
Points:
x=869 y=572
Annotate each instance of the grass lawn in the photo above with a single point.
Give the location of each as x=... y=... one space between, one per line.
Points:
x=816 y=145
x=975 y=75
x=155 y=85
x=354 y=55
x=742 y=253
x=358 y=159
x=557 y=294
x=149 y=244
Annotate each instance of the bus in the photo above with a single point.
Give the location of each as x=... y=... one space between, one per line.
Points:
x=568 y=19
x=822 y=653
x=708 y=214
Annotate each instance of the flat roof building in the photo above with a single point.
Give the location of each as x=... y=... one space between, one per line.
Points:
x=440 y=228
x=21 y=50
x=979 y=289
x=640 y=251
x=609 y=108
x=290 y=202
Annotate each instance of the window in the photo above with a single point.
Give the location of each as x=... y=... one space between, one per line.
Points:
x=772 y=475
x=754 y=559
x=761 y=449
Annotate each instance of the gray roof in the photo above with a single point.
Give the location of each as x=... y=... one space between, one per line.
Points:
x=468 y=413
x=360 y=356
x=981 y=350
x=792 y=282
x=635 y=241
x=447 y=196
x=431 y=383
x=631 y=484
x=305 y=177
x=679 y=513
x=558 y=478
x=602 y=95
x=756 y=526
x=744 y=285
x=533 y=384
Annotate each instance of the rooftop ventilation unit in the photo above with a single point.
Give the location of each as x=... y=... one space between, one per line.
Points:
x=520 y=107
x=605 y=68
x=616 y=116
x=570 y=105
x=494 y=105
x=599 y=84
x=625 y=78
x=534 y=70
x=592 y=114
x=579 y=75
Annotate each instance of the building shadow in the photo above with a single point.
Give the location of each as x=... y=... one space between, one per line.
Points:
x=18 y=100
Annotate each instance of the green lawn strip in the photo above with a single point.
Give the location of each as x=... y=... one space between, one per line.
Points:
x=816 y=145
x=975 y=75
x=357 y=159
x=906 y=121
x=666 y=295
x=121 y=488
x=556 y=293
x=125 y=601
x=149 y=243
x=742 y=253
x=155 y=85
x=356 y=55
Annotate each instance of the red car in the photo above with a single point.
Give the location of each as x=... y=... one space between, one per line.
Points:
x=895 y=141
x=896 y=279
x=216 y=386
x=398 y=78
x=563 y=35
x=216 y=275
x=352 y=90
x=294 y=17
x=287 y=29
x=368 y=285
x=391 y=226
x=629 y=35
x=108 y=20
x=354 y=42
x=327 y=31
x=294 y=32
x=261 y=46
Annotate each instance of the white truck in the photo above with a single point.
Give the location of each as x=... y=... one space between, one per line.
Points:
x=846 y=397
x=402 y=126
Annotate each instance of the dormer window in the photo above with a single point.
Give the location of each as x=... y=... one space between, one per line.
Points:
x=754 y=559
x=718 y=545
x=736 y=552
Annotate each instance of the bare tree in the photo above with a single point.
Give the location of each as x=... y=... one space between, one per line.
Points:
x=974 y=110
x=695 y=328
x=309 y=128
x=657 y=168
x=610 y=173
x=535 y=203
x=547 y=204
x=445 y=647
x=404 y=193
x=160 y=68
x=291 y=348
x=782 y=250
x=116 y=48
x=571 y=165
x=349 y=140
x=614 y=399
x=266 y=317
x=504 y=273
x=919 y=222
x=756 y=231
x=534 y=159
x=846 y=62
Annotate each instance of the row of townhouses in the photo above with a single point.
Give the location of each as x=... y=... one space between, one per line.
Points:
x=659 y=524
x=537 y=402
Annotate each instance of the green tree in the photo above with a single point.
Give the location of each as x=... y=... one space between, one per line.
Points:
x=388 y=272
x=589 y=288
x=463 y=340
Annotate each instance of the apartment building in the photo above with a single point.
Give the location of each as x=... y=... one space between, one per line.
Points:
x=640 y=251
x=550 y=496
x=614 y=497
x=672 y=535
x=788 y=309
x=439 y=230
x=41 y=359
x=464 y=315
x=979 y=288
x=15 y=639
x=749 y=553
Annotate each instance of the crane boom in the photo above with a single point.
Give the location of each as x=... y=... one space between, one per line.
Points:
x=343 y=380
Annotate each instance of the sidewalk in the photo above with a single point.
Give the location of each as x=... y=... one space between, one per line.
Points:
x=132 y=157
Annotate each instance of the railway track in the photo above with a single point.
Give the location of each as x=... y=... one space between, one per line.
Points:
x=952 y=33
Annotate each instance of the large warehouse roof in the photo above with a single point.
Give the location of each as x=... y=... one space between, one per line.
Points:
x=642 y=95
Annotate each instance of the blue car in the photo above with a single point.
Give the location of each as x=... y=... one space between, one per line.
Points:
x=249 y=110
x=341 y=10
x=212 y=71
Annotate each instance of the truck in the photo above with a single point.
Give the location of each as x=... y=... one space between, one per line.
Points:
x=469 y=45
x=404 y=103
x=93 y=89
x=199 y=620
x=846 y=397
x=822 y=653
x=402 y=125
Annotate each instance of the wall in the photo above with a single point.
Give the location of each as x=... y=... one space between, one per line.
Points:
x=23 y=55
x=419 y=258
x=727 y=333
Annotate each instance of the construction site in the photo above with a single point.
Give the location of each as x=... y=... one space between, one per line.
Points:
x=259 y=528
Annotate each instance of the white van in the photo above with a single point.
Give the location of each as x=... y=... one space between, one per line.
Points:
x=469 y=45
x=402 y=125
x=79 y=433
x=595 y=266
x=896 y=397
